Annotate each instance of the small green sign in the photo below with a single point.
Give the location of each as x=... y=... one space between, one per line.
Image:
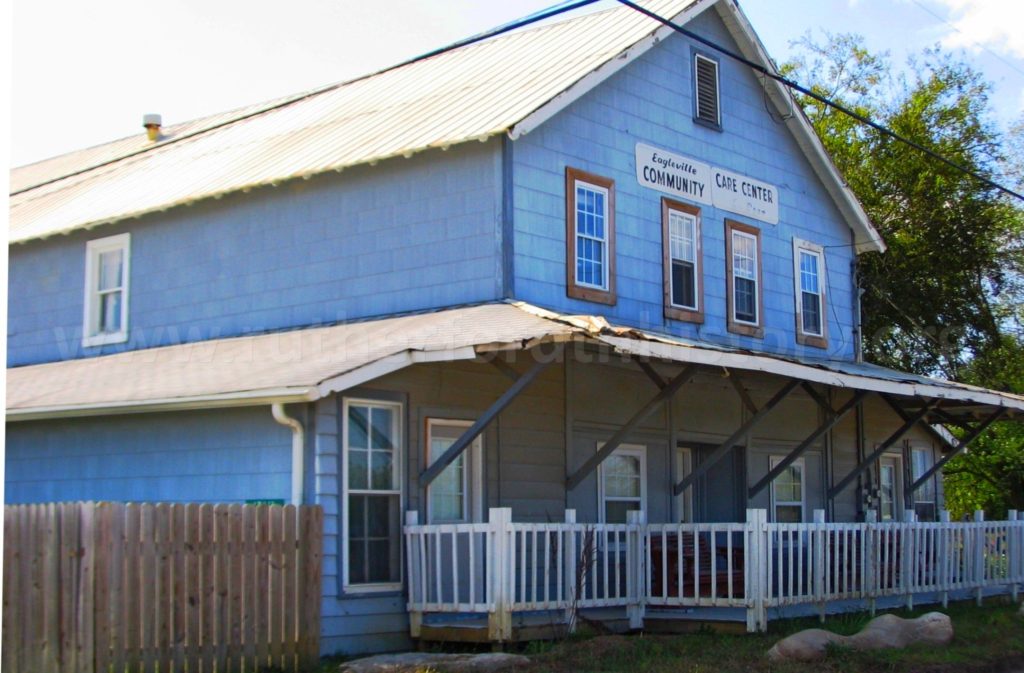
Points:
x=265 y=501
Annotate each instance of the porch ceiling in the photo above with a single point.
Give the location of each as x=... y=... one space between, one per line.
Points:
x=305 y=365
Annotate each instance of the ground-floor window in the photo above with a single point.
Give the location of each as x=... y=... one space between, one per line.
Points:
x=887 y=489
x=372 y=495
x=454 y=495
x=924 y=496
x=622 y=483
x=788 y=492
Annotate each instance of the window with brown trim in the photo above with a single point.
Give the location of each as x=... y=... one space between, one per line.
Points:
x=744 y=294
x=683 y=265
x=809 y=282
x=590 y=236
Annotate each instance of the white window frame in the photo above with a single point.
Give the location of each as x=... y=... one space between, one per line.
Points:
x=472 y=473
x=397 y=408
x=892 y=462
x=929 y=454
x=756 y=279
x=694 y=221
x=634 y=450
x=697 y=58
x=775 y=502
x=802 y=247
x=605 y=270
x=91 y=336
x=683 y=469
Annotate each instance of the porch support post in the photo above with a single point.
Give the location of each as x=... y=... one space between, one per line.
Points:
x=831 y=420
x=936 y=437
x=723 y=448
x=623 y=433
x=961 y=445
x=448 y=457
x=877 y=453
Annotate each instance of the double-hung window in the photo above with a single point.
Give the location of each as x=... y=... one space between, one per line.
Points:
x=454 y=496
x=372 y=495
x=924 y=496
x=106 y=290
x=743 y=258
x=681 y=242
x=788 y=492
x=590 y=236
x=622 y=483
x=809 y=284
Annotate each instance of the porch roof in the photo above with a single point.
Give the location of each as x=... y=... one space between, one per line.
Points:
x=305 y=365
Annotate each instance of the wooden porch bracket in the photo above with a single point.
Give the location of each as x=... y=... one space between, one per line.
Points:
x=505 y=368
x=831 y=421
x=961 y=445
x=817 y=397
x=448 y=457
x=620 y=436
x=877 y=453
x=652 y=374
x=932 y=432
x=727 y=445
x=737 y=383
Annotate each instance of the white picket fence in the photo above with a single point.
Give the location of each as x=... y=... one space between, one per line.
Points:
x=501 y=567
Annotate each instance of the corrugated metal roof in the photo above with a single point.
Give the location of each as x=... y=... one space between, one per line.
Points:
x=308 y=364
x=473 y=92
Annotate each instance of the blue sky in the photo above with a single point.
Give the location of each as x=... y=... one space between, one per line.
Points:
x=84 y=73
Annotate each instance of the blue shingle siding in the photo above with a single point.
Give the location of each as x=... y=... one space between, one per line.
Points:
x=225 y=455
x=404 y=235
x=650 y=101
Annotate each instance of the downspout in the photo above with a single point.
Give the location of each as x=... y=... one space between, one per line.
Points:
x=298 y=450
x=858 y=293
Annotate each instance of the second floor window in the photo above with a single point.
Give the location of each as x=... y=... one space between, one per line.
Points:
x=590 y=236
x=809 y=282
x=106 y=290
x=743 y=256
x=682 y=248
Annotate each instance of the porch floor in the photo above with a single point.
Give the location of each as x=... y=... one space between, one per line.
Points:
x=550 y=624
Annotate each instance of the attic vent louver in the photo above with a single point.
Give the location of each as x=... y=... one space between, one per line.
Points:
x=706 y=90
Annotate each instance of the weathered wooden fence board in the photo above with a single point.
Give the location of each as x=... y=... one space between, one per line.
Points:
x=168 y=588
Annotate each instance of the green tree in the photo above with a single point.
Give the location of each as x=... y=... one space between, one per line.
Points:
x=946 y=298
x=938 y=297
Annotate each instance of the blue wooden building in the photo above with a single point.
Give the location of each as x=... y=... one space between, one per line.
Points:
x=593 y=265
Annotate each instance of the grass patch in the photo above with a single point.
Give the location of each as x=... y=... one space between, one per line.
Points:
x=990 y=638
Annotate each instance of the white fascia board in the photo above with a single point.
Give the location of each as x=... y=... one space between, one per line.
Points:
x=867 y=238
x=387 y=365
x=603 y=72
x=249 y=398
x=714 y=358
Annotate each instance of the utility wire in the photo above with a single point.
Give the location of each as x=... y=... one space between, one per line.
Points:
x=821 y=99
x=541 y=15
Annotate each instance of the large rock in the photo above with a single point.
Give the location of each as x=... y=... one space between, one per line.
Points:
x=885 y=631
x=809 y=645
x=416 y=662
x=890 y=631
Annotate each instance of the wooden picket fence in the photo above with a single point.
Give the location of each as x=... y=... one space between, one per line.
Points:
x=168 y=588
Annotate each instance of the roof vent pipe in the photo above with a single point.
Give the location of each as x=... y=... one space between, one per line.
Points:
x=152 y=123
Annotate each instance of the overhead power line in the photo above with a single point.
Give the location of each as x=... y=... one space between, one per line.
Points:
x=821 y=99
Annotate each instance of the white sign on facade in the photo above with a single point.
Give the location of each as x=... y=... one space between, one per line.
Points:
x=694 y=180
x=746 y=196
x=673 y=173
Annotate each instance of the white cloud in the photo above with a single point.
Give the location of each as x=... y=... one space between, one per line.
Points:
x=992 y=24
